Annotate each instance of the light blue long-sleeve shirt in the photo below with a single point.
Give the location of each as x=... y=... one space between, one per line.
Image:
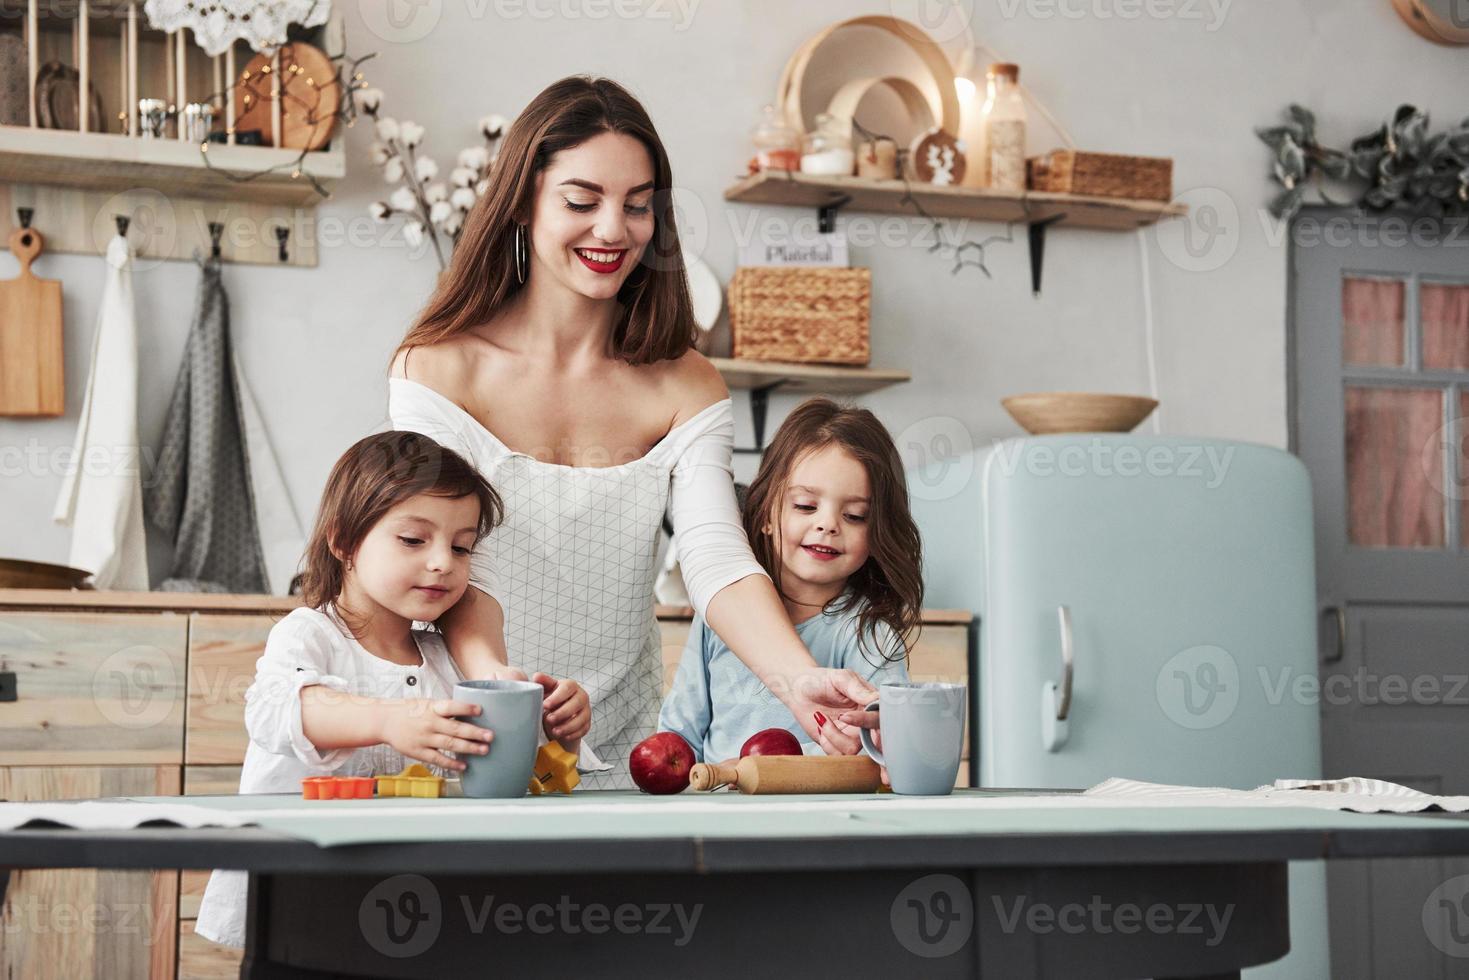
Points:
x=716 y=702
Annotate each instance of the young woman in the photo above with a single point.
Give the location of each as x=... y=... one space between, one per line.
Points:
x=557 y=356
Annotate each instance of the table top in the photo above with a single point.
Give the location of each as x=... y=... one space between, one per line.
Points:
x=727 y=832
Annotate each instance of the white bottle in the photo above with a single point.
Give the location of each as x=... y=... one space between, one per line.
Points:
x=1004 y=129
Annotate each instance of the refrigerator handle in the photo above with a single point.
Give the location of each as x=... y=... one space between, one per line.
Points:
x=1339 y=613
x=1068 y=663
x=1056 y=700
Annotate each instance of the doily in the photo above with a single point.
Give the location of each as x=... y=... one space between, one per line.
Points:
x=219 y=23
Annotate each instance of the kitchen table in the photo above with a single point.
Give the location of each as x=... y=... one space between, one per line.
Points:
x=983 y=883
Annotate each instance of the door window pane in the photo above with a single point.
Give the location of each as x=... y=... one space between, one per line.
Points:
x=1394 y=467
x=1444 y=312
x=1372 y=321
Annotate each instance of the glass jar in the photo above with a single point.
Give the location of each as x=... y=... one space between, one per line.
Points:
x=828 y=148
x=1004 y=129
x=777 y=144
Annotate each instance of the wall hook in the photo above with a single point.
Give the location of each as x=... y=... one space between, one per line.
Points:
x=122 y=221
x=24 y=214
x=282 y=234
x=216 y=229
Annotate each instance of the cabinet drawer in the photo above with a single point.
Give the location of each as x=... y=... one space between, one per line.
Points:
x=93 y=688
x=202 y=781
x=199 y=959
x=82 y=923
x=222 y=654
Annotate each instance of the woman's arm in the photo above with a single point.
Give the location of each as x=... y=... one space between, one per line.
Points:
x=474 y=631
x=750 y=619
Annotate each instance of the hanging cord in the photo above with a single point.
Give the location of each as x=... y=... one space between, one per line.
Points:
x=1150 y=340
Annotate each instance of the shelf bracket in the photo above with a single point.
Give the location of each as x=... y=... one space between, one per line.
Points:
x=759 y=403
x=1036 y=231
x=826 y=214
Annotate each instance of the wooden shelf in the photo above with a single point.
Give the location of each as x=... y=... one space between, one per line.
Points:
x=113 y=162
x=803 y=190
x=805 y=379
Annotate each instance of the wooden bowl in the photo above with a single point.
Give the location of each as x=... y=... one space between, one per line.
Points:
x=18 y=574
x=1046 y=412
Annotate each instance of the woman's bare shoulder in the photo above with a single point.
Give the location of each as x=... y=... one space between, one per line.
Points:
x=449 y=366
x=693 y=383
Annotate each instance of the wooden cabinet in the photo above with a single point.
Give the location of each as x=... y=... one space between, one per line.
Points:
x=222 y=653
x=198 y=958
x=93 y=688
x=83 y=923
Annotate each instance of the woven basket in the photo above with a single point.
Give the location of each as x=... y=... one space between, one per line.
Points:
x=1102 y=175
x=806 y=314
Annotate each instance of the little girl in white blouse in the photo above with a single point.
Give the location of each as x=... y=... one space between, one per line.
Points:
x=346 y=685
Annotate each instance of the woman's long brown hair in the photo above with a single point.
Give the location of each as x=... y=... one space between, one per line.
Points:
x=656 y=319
x=889 y=585
x=373 y=476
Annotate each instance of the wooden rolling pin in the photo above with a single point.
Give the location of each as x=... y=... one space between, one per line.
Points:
x=790 y=774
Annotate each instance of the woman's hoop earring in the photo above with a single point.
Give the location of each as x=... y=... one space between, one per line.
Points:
x=522 y=253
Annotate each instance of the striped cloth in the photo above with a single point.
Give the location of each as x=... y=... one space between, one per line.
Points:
x=1357 y=793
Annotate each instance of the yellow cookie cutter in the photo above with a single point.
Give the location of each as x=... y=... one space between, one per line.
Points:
x=415 y=780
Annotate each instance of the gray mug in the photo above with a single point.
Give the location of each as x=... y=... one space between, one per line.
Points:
x=922 y=736
x=512 y=710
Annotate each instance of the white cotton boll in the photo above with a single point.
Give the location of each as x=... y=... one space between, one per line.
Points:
x=386 y=129
x=411 y=133
x=403 y=200
x=380 y=210
x=436 y=192
x=481 y=187
x=413 y=233
x=368 y=99
x=426 y=169
x=474 y=158
x=440 y=212
x=462 y=176
x=453 y=223
x=463 y=198
x=493 y=126
x=380 y=154
x=393 y=170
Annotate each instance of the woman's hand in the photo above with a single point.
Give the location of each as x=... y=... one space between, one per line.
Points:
x=425 y=730
x=819 y=695
x=567 y=710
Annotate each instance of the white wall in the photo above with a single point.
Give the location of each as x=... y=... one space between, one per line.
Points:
x=1191 y=85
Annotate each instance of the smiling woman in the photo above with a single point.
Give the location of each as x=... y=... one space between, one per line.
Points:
x=557 y=357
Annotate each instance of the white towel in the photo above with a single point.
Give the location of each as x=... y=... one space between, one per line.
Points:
x=101 y=494
x=1356 y=793
x=281 y=540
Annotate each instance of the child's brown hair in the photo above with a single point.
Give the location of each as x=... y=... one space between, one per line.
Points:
x=890 y=583
x=373 y=476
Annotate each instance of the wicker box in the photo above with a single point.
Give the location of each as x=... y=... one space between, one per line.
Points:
x=802 y=314
x=1102 y=175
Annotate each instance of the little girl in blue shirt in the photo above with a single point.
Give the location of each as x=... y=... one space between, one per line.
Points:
x=827 y=517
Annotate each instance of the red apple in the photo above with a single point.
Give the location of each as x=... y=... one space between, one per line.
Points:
x=660 y=763
x=771 y=741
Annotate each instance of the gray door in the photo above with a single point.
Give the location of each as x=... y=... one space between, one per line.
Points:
x=1379 y=351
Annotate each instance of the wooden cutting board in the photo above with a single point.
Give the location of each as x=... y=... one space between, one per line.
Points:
x=32 y=381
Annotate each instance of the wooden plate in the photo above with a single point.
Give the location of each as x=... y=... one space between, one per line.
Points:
x=308 y=108
x=1047 y=412
x=18 y=574
x=57 y=105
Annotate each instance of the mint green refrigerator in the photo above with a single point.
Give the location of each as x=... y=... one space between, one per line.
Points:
x=1147 y=610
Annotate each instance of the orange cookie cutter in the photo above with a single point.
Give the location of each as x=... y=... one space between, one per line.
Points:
x=336 y=788
x=554 y=770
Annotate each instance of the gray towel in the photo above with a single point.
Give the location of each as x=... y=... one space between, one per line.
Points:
x=200 y=489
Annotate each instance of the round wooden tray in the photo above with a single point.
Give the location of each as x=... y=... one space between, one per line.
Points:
x=310 y=97
x=16 y=573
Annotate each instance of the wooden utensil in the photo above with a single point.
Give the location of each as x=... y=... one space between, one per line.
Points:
x=32 y=381
x=761 y=774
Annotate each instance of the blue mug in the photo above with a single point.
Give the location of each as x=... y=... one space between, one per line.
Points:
x=512 y=710
x=922 y=736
